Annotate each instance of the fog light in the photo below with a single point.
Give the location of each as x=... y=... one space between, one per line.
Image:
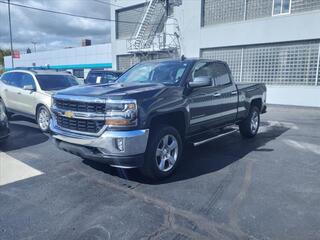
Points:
x=120 y=144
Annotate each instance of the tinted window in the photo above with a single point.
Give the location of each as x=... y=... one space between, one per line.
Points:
x=155 y=72
x=221 y=74
x=55 y=82
x=5 y=77
x=203 y=69
x=26 y=80
x=12 y=78
x=101 y=77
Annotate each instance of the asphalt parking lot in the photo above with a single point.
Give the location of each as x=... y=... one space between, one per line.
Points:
x=262 y=188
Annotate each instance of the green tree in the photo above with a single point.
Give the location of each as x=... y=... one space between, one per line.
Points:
x=3 y=53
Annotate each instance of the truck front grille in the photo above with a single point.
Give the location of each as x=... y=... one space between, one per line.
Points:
x=80 y=106
x=81 y=125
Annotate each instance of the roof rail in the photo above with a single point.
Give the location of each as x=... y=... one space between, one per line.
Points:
x=36 y=68
x=24 y=68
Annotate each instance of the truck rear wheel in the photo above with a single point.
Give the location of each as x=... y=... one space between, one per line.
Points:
x=250 y=126
x=163 y=152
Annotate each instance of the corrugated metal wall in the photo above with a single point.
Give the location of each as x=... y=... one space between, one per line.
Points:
x=128 y=20
x=126 y=61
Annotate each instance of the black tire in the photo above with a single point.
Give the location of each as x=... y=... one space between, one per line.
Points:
x=5 y=109
x=247 y=130
x=3 y=139
x=43 y=128
x=151 y=164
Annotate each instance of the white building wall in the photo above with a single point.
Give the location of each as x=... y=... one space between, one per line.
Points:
x=72 y=58
x=294 y=95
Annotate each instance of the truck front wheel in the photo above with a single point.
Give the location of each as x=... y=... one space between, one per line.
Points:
x=250 y=126
x=163 y=152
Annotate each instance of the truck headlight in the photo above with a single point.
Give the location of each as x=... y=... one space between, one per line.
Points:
x=121 y=113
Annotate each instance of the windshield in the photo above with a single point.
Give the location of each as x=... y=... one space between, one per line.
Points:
x=56 y=82
x=168 y=73
x=101 y=77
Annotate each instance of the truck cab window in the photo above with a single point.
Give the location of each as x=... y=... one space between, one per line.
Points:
x=203 y=69
x=221 y=75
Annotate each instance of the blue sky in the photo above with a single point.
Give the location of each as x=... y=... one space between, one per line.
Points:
x=52 y=31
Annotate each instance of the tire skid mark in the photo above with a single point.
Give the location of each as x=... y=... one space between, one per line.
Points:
x=206 y=209
x=210 y=228
x=233 y=213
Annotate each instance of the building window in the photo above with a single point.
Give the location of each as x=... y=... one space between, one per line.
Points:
x=281 y=7
x=292 y=63
x=258 y=9
x=298 y=6
x=222 y=11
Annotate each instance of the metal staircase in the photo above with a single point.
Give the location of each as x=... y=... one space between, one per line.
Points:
x=150 y=35
x=151 y=22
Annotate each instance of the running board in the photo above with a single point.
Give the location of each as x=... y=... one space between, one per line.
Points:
x=229 y=131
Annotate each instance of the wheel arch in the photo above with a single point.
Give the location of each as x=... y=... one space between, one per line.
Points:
x=176 y=119
x=257 y=102
x=38 y=107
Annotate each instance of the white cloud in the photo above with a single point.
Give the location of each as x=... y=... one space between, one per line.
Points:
x=53 y=31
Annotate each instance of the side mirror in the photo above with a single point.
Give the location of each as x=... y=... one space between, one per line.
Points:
x=29 y=88
x=202 y=81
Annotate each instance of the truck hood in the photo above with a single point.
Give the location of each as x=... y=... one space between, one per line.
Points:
x=116 y=90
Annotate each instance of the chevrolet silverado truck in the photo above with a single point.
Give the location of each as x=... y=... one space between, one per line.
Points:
x=146 y=118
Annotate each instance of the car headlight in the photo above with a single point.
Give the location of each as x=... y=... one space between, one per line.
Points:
x=121 y=113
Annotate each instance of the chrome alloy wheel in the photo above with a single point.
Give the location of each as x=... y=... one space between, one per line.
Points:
x=254 y=123
x=167 y=153
x=44 y=119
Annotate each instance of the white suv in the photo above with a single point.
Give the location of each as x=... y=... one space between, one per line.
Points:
x=28 y=92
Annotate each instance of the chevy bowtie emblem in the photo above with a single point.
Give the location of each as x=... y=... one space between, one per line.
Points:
x=68 y=114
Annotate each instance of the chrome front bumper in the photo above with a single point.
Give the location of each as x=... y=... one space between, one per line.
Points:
x=134 y=142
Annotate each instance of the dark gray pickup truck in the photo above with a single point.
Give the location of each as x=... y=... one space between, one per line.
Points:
x=146 y=117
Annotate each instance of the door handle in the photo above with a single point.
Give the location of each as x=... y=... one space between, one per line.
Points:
x=19 y=93
x=234 y=92
x=6 y=90
x=217 y=94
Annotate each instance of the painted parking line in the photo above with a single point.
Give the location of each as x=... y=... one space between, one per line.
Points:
x=13 y=170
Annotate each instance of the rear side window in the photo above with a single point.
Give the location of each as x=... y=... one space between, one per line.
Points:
x=221 y=74
x=5 y=77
